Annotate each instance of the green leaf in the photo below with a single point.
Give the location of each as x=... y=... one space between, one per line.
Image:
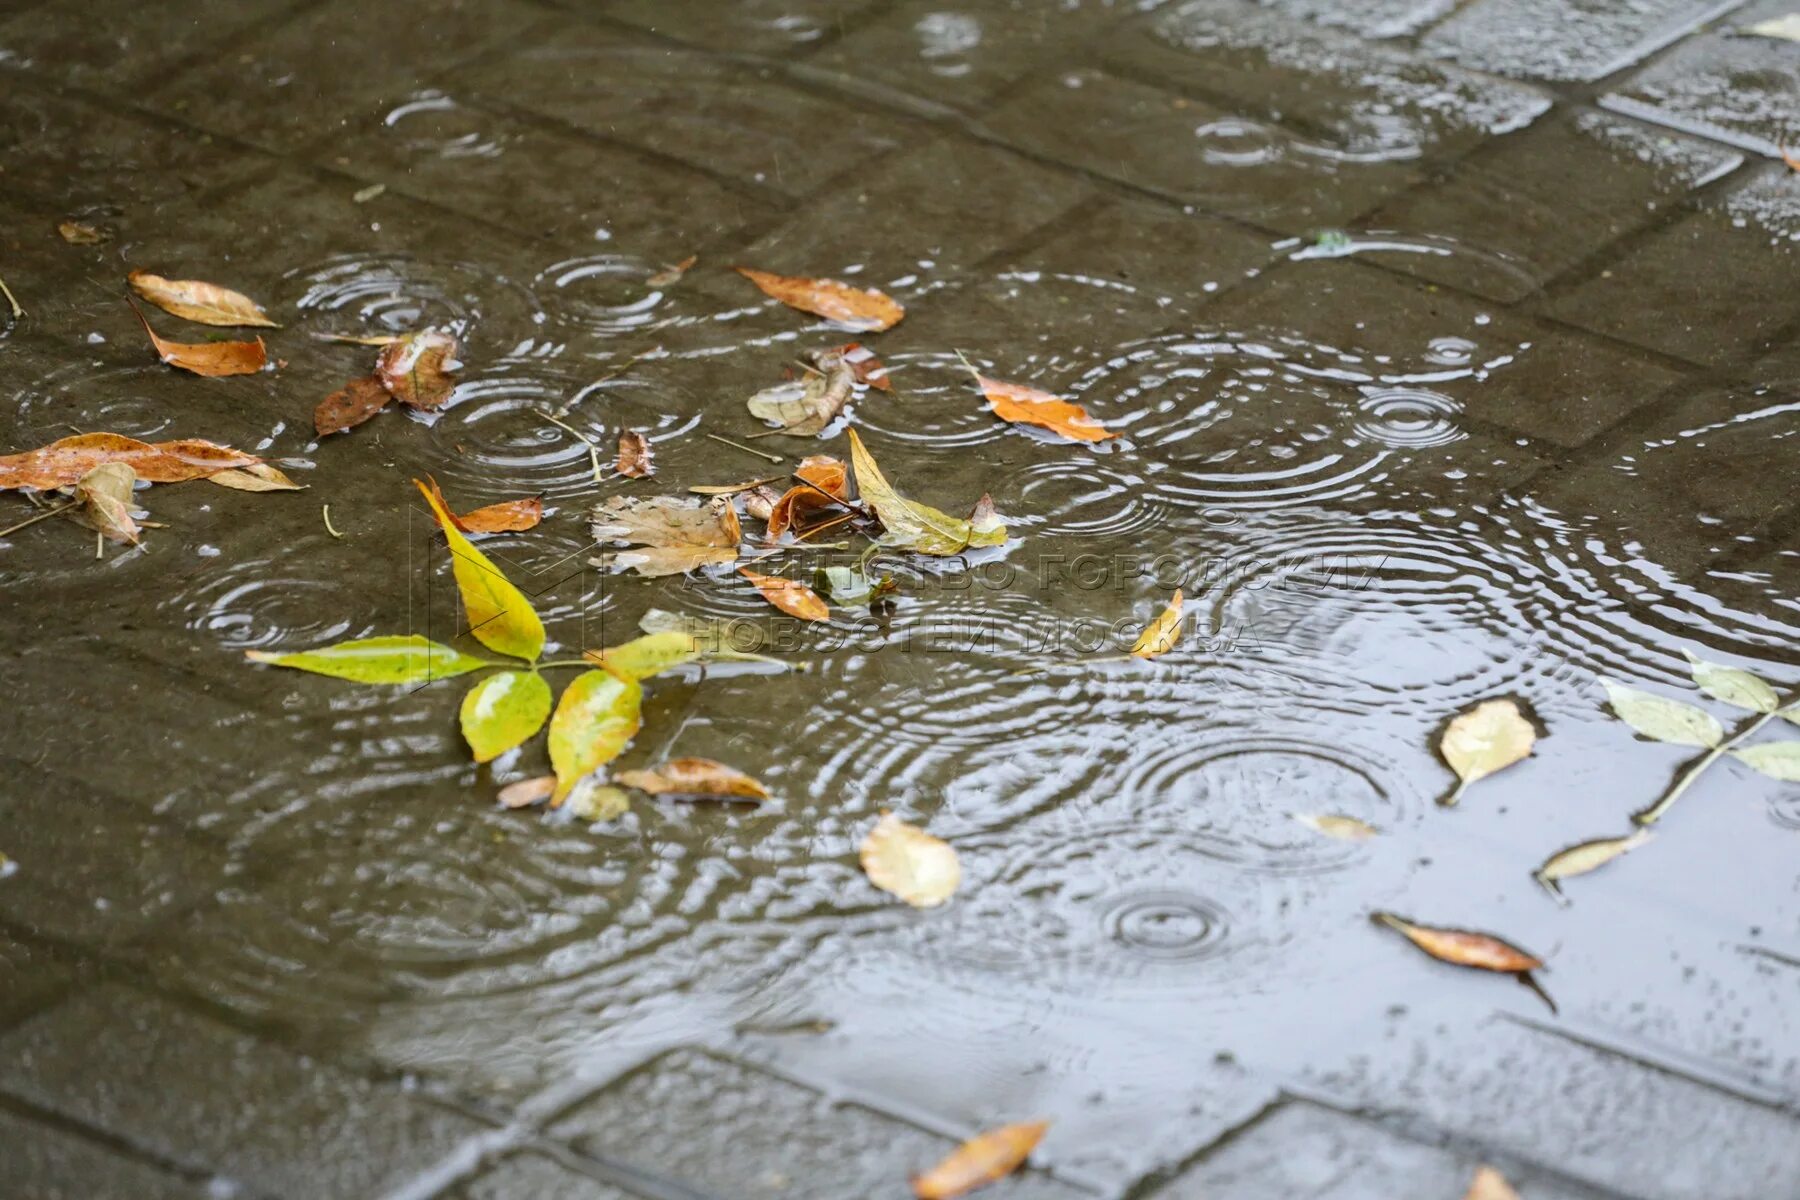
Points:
x=912 y=525
x=500 y=616
x=501 y=711
x=652 y=654
x=1662 y=719
x=1777 y=760
x=409 y=659
x=592 y=800
x=1732 y=686
x=597 y=717
x=1790 y=713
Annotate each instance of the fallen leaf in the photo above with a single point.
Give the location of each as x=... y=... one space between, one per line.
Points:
x=671 y=536
x=595 y=720
x=1662 y=719
x=1740 y=689
x=364 y=195
x=1777 y=760
x=105 y=497
x=789 y=595
x=669 y=276
x=695 y=777
x=1585 y=857
x=526 y=792
x=909 y=863
x=1463 y=947
x=635 y=459
x=592 y=800
x=363 y=339
x=1024 y=405
x=866 y=367
x=760 y=502
x=1344 y=829
x=1787 y=28
x=1481 y=740
x=849 y=587
x=825 y=481
x=500 y=617
x=730 y=489
x=503 y=711
x=206 y=303
x=419 y=369
x=63 y=462
x=1489 y=1184
x=410 y=660
x=862 y=309
x=1792 y=162
x=211 y=359
x=910 y=524
x=80 y=233
x=652 y=654
x=508 y=516
x=259 y=478
x=981 y=1160
x=359 y=400
x=805 y=407
x=1160 y=636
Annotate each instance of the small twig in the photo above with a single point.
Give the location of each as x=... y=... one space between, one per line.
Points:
x=325 y=512
x=48 y=512
x=824 y=525
x=593 y=447
x=11 y=299
x=774 y=458
x=969 y=367
x=99 y=544
x=1653 y=814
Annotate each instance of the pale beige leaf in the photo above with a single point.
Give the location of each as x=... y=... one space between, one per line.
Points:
x=1334 y=825
x=695 y=777
x=527 y=792
x=258 y=478
x=206 y=303
x=1492 y=735
x=670 y=535
x=1732 y=686
x=1489 y=1184
x=1663 y=719
x=105 y=497
x=906 y=861
x=1587 y=856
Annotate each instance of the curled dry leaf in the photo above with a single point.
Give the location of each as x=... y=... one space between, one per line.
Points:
x=865 y=366
x=64 y=461
x=1489 y=1184
x=104 y=494
x=508 y=516
x=527 y=792
x=805 y=407
x=907 y=862
x=80 y=233
x=349 y=407
x=760 y=503
x=206 y=303
x=916 y=526
x=789 y=595
x=1463 y=947
x=211 y=359
x=1585 y=857
x=670 y=536
x=695 y=777
x=635 y=458
x=824 y=481
x=260 y=478
x=1028 y=406
x=1160 y=636
x=671 y=275
x=1333 y=825
x=983 y=1159
x=863 y=309
x=419 y=369
x=1486 y=738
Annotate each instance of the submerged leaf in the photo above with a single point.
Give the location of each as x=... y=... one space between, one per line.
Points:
x=592 y=800
x=211 y=359
x=63 y=462
x=1489 y=1184
x=418 y=369
x=80 y=233
x=1344 y=829
x=259 y=478
x=500 y=617
x=527 y=792
x=983 y=1159
x=672 y=536
x=1463 y=947
x=597 y=717
x=1160 y=636
x=1662 y=719
x=359 y=400
x=789 y=595
x=635 y=458
x=105 y=497
x=862 y=309
x=805 y=407
x=910 y=524
x=207 y=303
x=502 y=711
x=508 y=516
x=1024 y=405
x=849 y=587
x=652 y=654
x=1586 y=856
x=1738 y=688
x=695 y=777
x=410 y=659
x=1489 y=737
x=1777 y=760
x=909 y=863
x=866 y=367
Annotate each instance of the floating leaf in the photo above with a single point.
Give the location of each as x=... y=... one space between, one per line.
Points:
x=592 y=800
x=862 y=309
x=410 y=659
x=1585 y=857
x=906 y=861
x=910 y=524
x=1344 y=829
x=825 y=484
x=671 y=275
x=527 y=792
x=1160 y=636
x=417 y=370
x=1777 y=760
x=211 y=359
x=207 y=303
x=63 y=462
x=981 y=1160
x=635 y=459
x=1662 y=719
x=508 y=516
x=1787 y=28
x=597 y=717
x=502 y=711
x=652 y=654
x=866 y=367
x=1489 y=1184
x=805 y=407
x=695 y=777
x=1463 y=947
x=672 y=536
x=500 y=617
x=848 y=586
x=104 y=494
x=359 y=400
x=80 y=233
x=1738 y=688
x=1478 y=741
x=259 y=478
x=789 y=595
x=1024 y=405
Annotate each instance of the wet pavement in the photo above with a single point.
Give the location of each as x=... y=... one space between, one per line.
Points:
x=1454 y=350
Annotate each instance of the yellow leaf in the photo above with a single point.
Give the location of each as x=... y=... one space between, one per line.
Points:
x=1160 y=636
x=912 y=525
x=1484 y=739
x=597 y=717
x=908 y=862
x=500 y=616
x=502 y=711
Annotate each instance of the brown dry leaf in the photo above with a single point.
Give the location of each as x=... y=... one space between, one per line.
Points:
x=212 y=359
x=104 y=494
x=63 y=462
x=1160 y=636
x=981 y=1160
x=1483 y=739
x=695 y=777
x=1024 y=405
x=419 y=370
x=259 y=478
x=789 y=595
x=669 y=535
x=803 y=408
x=635 y=458
x=862 y=309
x=359 y=400
x=80 y=233
x=527 y=792
x=1463 y=947
x=1490 y=1184
x=826 y=480
x=866 y=367
x=907 y=862
x=669 y=276
x=193 y=300
x=508 y=516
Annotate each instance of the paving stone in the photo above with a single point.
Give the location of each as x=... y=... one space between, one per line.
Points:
x=1370 y=18
x=133 y=47
x=779 y=28
x=44 y=1163
x=30 y=971
x=1739 y=89
x=534 y=1176
x=737 y=1131
x=1534 y=203
x=246 y=1109
x=1713 y=287
x=1564 y=40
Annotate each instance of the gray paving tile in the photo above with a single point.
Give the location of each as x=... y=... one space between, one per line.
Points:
x=44 y=1163
x=132 y=46
x=1564 y=40
x=534 y=1176
x=196 y=1092
x=778 y=28
x=30 y=971
x=1373 y=18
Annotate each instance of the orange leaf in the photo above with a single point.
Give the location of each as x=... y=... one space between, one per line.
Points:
x=979 y=1161
x=1789 y=159
x=1023 y=405
x=1463 y=947
x=359 y=400
x=826 y=480
x=635 y=458
x=865 y=366
x=527 y=792
x=1490 y=1184
x=207 y=303
x=863 y=309
x=694 y=777
x=416 y=369
x=209 y=358
x=508 y=516
x=789 y=595
x=672 y=275
x=63 y=462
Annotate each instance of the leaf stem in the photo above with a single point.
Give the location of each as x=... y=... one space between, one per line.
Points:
x=774 y=458
x=48 y=512
x=325 y=512
x=1654 y=813
x=563 y=662
x=11 y=300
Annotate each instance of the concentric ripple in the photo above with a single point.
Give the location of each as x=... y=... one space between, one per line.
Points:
x=360 y=294
x=1409 y=418
x=605 y=295
x=280 y=600
x=434 y=123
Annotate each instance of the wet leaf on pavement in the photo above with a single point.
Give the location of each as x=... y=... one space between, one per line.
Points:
x=1489 y=1184
x=349 y=407
x=526 y=792
x=670 y=536
x=63 y=462
x=1735 y=687
x=508 y=516
x=500 y=617
x=260 y=478
x=503 y=711
x=80 y=233
x=1333 y=825
x=862 y=309
x=911 y=525
x=1019 y=404
x=591 y=799
x=104 y=494
x=866 y=367
x=825 y=482
x=789 y=595
x=595 y=720
x=1160 y=636
x=419 y=369
x=805 y=407
x=408 y=659
x=1463 y=947
x=635 y=458
x=983 y=1159
x=194 y=300
x=1662 y=719
x=1786 y=27
x=695 y=777
x=1777 y=760
x=1586 y=856
x=1485 y=738
x=211 y=359
x=652 y=654
x=672 y=274
x=907 y=862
